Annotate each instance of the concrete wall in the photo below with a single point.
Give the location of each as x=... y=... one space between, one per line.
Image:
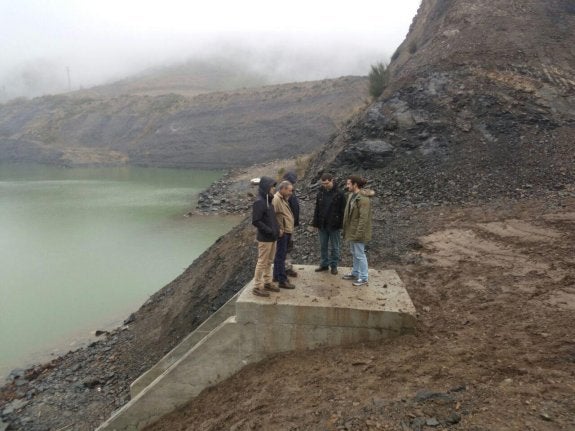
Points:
x=215 y=358
x=216 y=319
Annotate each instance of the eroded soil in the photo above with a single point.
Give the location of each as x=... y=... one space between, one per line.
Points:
x=494 y=348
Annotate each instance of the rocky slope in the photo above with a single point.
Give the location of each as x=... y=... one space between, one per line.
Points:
x=470 y=151
x=212 y=130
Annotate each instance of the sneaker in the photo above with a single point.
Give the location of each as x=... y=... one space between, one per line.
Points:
x=258 y=291
x=334 y=271
x=271 y=287
x=286 y=285
x=360 y=282
x=322 y=269
x=349 y=277
x=291 y=273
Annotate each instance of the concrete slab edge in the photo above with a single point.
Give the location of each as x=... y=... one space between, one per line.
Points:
x=222 y=314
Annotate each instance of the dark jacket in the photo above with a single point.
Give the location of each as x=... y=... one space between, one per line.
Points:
x=263 y=215
x=329 y=208
x=293 y=200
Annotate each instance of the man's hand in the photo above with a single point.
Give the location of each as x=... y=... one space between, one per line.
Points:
x=281 y=233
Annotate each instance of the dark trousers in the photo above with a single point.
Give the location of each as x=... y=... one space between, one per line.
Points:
x=280 y=259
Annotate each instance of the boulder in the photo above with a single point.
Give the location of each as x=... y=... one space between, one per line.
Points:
x=369 y=153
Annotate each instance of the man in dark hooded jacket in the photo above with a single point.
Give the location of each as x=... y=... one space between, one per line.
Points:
x=264 y=219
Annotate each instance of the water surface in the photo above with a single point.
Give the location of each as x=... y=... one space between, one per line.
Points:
x=82 y=248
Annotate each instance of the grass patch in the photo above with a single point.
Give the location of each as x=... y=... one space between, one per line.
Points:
x=378 y=79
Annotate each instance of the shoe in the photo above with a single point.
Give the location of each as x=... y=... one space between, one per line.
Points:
x=349 y=277
x=258 y=291
x=360 y=282
x=271 y=287
x=291 y=273
x=334 y=271
x=322 y=269
x=286 y=285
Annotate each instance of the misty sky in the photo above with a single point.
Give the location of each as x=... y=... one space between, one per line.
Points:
x=104 y=40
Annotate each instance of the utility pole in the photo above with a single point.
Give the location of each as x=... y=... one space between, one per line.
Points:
x=69 y=80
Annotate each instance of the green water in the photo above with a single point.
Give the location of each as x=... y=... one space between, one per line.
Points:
x=82 y=248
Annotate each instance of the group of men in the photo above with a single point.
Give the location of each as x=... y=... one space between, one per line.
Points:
x=276 y=213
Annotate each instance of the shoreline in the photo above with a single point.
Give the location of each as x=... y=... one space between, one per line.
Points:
x=233 y=194
x=71 y=342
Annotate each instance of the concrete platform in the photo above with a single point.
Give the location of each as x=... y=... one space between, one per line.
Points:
x=323 y=310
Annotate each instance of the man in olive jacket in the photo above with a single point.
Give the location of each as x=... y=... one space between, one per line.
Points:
x=357 y=227
x=264 y=219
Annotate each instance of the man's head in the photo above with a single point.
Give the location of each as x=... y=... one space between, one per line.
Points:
x=286 y=189
x=290 y=176
x=327 y=181
x=354 y=183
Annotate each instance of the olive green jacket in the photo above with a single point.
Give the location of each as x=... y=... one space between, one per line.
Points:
x=357 y=216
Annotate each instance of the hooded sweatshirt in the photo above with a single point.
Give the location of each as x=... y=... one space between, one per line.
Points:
x=263 y=215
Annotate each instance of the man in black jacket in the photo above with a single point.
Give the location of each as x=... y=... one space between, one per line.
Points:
x=328 y=219
x=264 y=219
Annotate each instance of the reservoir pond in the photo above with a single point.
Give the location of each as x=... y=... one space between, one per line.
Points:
x=82 y=248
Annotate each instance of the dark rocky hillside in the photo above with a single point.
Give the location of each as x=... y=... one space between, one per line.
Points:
x=471 y=153
x=212 y=130
x=481 y=104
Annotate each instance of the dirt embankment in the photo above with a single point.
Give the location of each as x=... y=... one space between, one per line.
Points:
x=494 y=347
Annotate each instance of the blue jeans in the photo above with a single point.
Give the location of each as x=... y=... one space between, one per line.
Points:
x=359 y=260
x=327 y=236
x=280 y=259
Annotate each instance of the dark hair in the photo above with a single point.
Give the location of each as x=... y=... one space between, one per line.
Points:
x=326 y=177
x=355 y=179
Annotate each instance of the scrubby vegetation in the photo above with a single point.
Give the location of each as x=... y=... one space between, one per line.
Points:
x=378 y=78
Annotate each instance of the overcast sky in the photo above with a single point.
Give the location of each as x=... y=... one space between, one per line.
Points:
x=105 y=40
